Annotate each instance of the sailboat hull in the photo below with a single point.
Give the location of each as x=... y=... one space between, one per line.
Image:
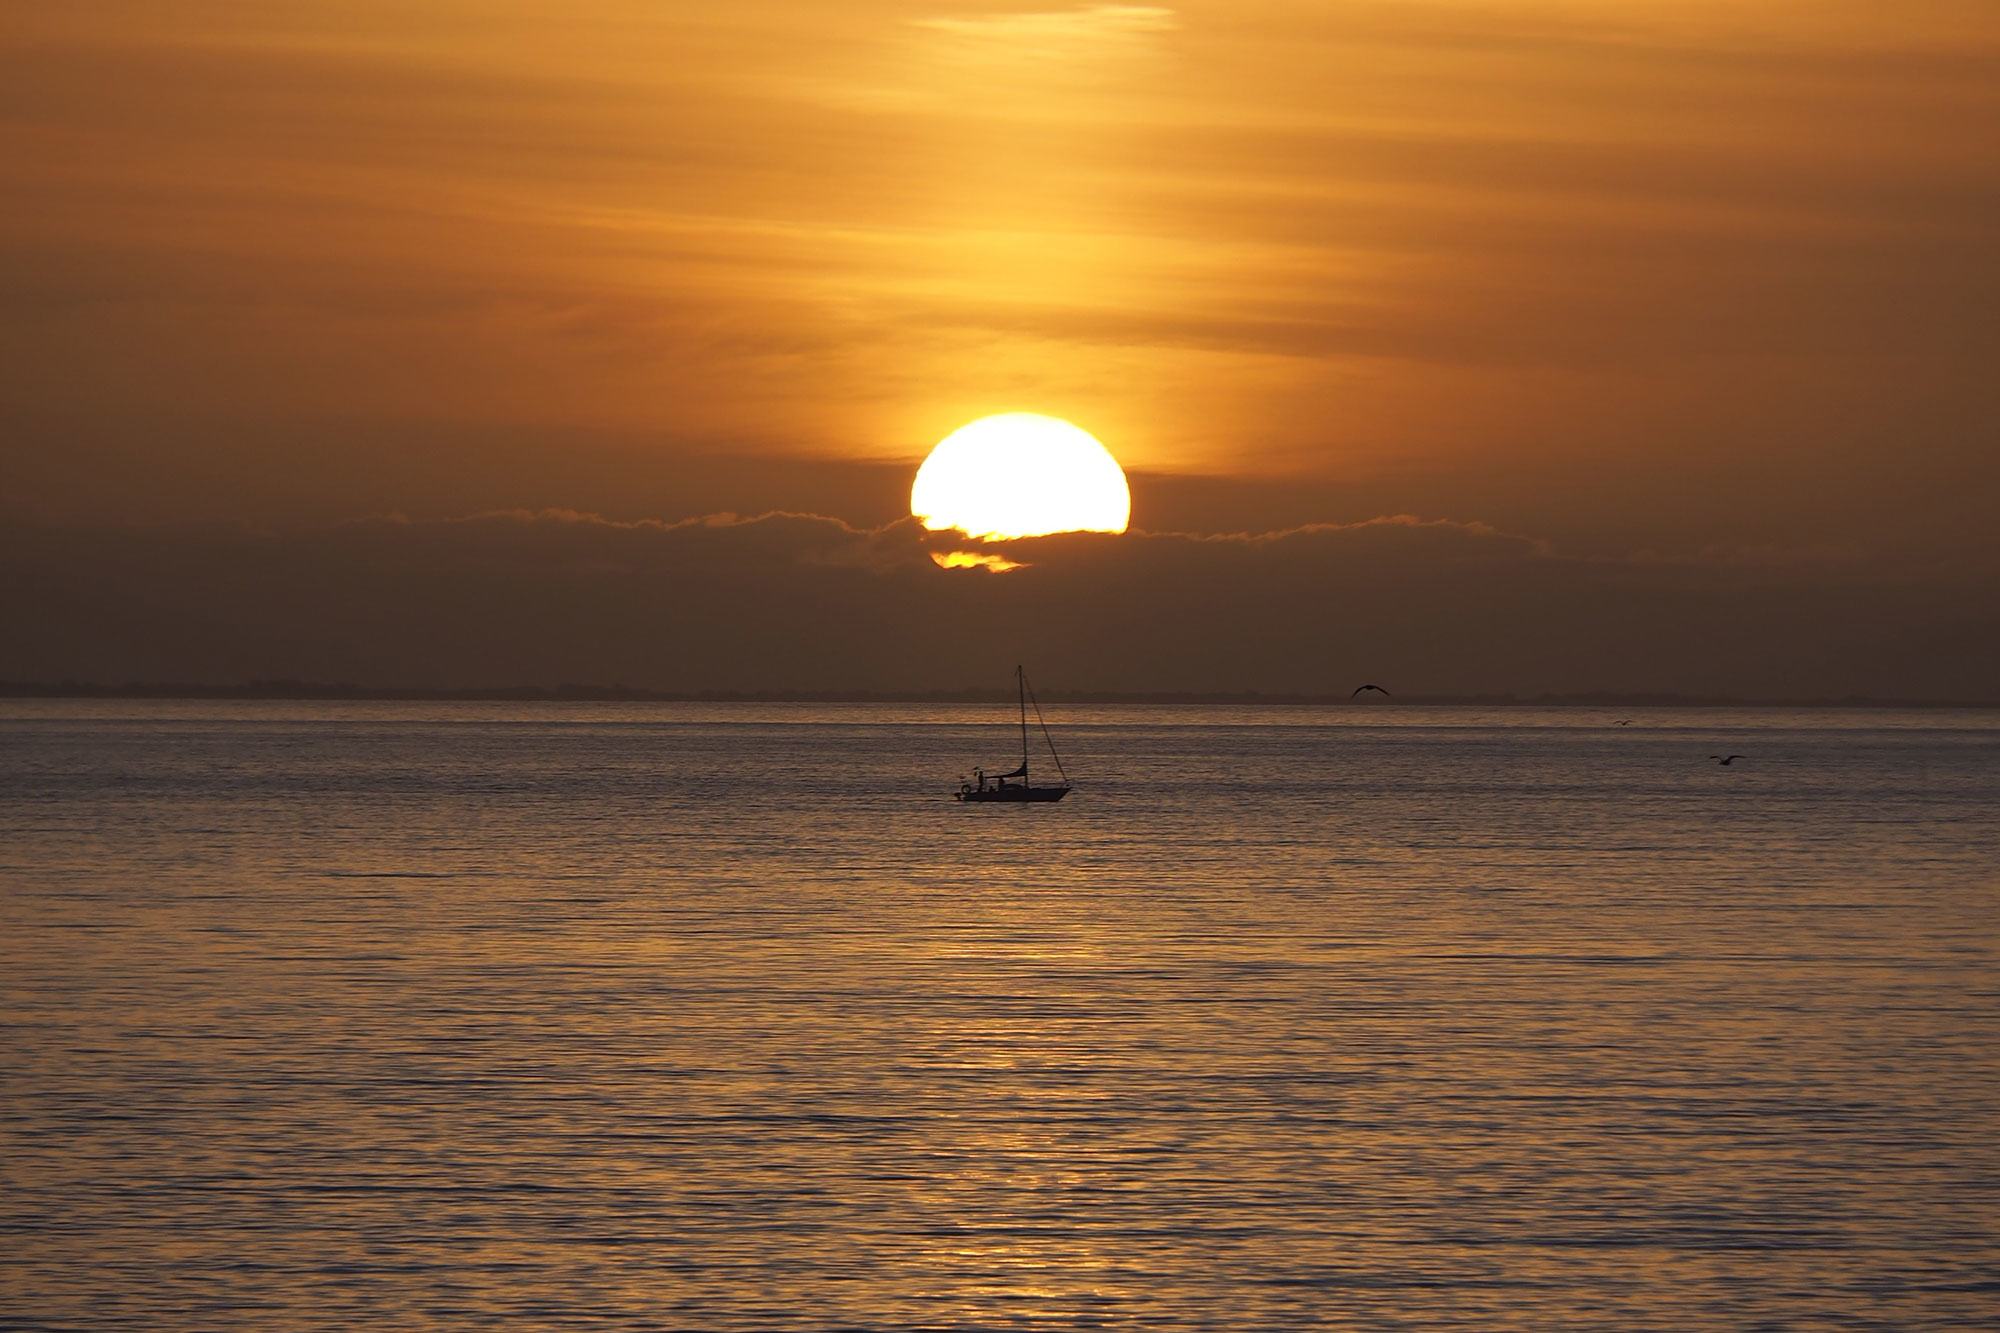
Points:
x=1015 y=794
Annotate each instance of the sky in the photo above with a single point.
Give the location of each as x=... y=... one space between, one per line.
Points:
x=1540 y=345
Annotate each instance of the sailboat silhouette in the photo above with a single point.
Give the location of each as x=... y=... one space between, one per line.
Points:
x=1002 y=787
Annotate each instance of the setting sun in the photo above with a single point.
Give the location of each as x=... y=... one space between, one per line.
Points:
x=1021 y=475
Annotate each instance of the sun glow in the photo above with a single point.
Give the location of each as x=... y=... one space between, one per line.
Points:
x=1021 y=475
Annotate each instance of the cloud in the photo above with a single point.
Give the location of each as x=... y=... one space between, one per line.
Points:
x=986 y=560
x=523 y=541
x=1473 y=529
x=801 y=601
x=1052 y=31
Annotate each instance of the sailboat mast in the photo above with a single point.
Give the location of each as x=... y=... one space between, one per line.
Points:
x=1021 y=690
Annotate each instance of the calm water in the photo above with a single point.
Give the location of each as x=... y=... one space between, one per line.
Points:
x=326 y=1016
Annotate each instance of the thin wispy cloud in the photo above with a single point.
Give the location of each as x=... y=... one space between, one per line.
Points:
x=1060 y=31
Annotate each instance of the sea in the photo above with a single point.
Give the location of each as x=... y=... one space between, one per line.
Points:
x=678 y=1016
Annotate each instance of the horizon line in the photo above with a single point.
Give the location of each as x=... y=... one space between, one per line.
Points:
x=574 y=692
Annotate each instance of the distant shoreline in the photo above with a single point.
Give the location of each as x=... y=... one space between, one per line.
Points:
x=316 y=691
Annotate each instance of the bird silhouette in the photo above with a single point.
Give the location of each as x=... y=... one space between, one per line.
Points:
x=1623 y=722
x=1725 y=760
x=1377 y=688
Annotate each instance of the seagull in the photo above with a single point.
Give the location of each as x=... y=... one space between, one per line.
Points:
x=1377 y=688
x=1726 y=759
x=1623 y=722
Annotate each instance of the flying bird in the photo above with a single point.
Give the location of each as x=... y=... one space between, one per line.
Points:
x=1377 y=688
x=1726 y=759
x=1622 y=722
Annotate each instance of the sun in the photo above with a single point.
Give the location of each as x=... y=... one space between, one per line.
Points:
x=1021 y=475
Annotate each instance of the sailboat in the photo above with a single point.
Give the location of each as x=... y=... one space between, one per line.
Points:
x=1003 y=787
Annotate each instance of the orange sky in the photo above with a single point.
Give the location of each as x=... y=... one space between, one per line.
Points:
x=1641 y=280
